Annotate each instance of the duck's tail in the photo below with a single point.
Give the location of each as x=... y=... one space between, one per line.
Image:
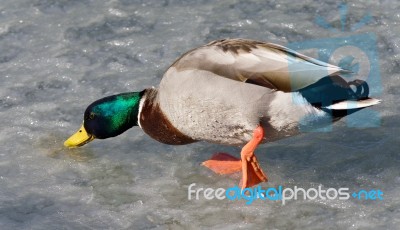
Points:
x=338 y=97
x=359 y=104
x=344 y=108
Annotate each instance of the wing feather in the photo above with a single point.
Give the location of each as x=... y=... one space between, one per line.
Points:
x=265 y=64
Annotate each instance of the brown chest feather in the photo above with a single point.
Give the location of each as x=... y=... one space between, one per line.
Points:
x=157 y=126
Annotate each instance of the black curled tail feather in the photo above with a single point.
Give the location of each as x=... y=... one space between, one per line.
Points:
x=328 y=92
x=333 y=89
x=362 y=88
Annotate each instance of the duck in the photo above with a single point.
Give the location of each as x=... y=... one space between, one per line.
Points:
x=236 y=92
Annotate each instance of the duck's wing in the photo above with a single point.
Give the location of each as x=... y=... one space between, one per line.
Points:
x=265 y=64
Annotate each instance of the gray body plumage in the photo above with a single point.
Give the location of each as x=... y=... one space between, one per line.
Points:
x=208 y=107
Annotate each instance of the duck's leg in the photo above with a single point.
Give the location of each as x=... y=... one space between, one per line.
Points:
x=252 y=174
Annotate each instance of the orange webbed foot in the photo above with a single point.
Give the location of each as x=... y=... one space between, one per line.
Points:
x=223 y=163
x=252 y=174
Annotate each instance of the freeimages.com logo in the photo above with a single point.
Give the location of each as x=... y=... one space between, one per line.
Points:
x=352 y=51
x=281 y=194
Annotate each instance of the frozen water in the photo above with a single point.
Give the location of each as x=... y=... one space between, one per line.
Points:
x=57 y=56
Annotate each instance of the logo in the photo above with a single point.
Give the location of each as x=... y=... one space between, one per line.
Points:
x=281 y=194
x=352 y=51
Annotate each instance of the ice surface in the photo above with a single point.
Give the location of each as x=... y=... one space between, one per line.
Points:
x=57 y=56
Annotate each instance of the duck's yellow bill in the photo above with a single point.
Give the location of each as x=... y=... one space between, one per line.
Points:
x=79 y=138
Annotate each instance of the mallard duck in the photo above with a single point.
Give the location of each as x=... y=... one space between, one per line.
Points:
x=231 y=92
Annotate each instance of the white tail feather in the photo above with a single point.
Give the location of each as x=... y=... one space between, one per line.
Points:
x=345 y=105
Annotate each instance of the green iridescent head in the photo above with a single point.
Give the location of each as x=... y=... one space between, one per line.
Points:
x=107 y=117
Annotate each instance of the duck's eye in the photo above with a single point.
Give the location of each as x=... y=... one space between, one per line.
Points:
x=91 y=116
